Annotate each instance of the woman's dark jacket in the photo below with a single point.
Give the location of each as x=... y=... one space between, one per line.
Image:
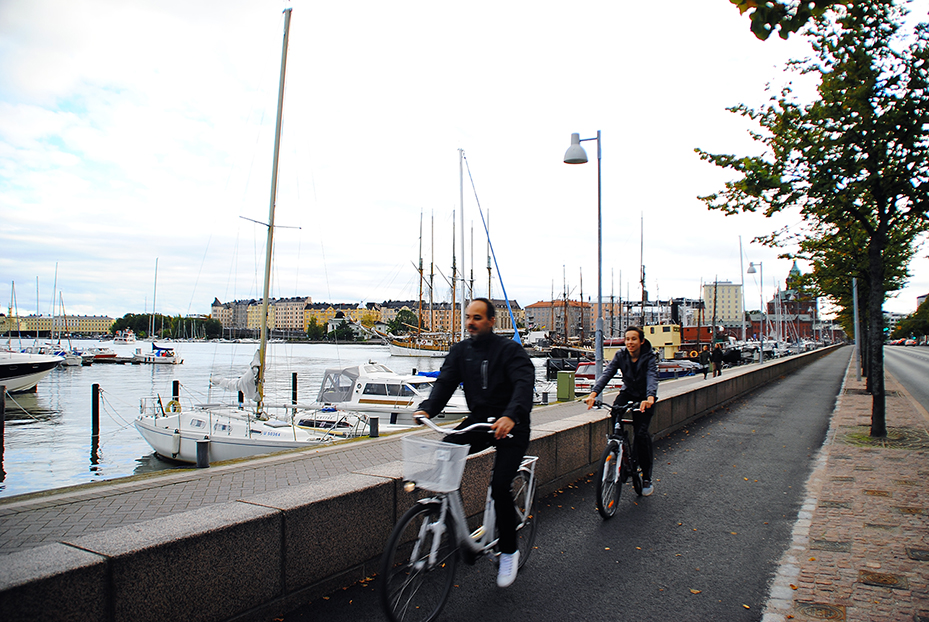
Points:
x=498 y=380
x=640 y=379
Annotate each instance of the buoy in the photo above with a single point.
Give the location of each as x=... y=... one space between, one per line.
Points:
x=176 y=443
x=174 y=406
x=693 y=354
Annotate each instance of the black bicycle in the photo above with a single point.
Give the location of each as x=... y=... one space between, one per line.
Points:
x=617 y=463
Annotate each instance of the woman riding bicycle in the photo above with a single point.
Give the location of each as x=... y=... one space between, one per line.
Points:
x=498 y=379
x=639 y=367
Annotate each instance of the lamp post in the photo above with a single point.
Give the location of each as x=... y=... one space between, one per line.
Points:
x=751 y=270
x=576 y=155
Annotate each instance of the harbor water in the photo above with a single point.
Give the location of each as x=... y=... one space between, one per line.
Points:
x=48 y=442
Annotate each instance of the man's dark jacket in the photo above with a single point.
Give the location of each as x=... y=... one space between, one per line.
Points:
x=498 y=380
x=640 y=379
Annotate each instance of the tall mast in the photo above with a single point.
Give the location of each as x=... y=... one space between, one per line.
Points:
x=419 y=321
x=151 y=330
x=260 y=380
x=642 y=264
x=454 y=282
x=489 y=271
x=432 y=276
x=461 y=204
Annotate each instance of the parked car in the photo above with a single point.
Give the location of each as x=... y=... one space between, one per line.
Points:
x=909 y=342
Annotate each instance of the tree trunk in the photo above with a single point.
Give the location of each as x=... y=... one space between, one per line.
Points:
x=876 y=333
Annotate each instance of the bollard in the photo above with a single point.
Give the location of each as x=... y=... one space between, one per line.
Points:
x=241 y=399
x=544 y=398
x=374 y=423
x=176 y=391
x=95 y=410
x=293 y=388
x=2 y=414
x=203 y=453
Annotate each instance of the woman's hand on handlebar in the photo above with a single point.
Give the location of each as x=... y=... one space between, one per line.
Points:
x=590 y=400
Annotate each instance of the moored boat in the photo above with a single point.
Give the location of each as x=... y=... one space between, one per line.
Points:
x=20 y=372
x=160 y=355
x=375 y=388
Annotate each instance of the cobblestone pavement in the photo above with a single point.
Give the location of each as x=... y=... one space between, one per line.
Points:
x=860 y=549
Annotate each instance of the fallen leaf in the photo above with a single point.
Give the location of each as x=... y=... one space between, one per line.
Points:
x=606 y=548
x=733 y=533
x=746 y=606
x=638 y=548
x=695 y=591
x=792 y=586
x=812 y=559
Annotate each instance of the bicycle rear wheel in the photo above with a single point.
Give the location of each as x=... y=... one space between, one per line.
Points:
x=632 y=468
x=609 y=479
x=418 y=566
x=526 y=515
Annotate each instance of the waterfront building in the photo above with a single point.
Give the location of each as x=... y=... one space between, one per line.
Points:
x=723 y=304
x=565 y=320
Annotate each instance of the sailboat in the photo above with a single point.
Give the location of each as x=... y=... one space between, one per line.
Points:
x=234 y=431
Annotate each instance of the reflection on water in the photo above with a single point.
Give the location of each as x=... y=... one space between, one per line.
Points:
x=48 y=434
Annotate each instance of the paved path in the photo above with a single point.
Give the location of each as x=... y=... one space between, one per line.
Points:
x=860 y=549
x=28 y=521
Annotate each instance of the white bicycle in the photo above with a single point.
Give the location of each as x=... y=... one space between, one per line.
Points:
x=419 y=563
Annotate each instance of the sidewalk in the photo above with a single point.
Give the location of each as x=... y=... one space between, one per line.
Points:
x=860 y=549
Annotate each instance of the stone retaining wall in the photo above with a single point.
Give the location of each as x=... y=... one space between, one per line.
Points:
x=261 y=557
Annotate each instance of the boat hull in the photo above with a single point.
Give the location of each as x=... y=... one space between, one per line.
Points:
x=229 y=439
x=400 y=350
x=20 y=372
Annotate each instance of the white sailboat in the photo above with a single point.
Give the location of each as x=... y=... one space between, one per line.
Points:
x=235 y=431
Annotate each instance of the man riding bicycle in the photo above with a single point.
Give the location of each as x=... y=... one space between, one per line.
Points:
x=498 y=380
x=639 y=367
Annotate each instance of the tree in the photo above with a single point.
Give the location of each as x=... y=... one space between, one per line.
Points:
x=315 y=332
x=343 y=332
x=786 y=18
x=854 y=161
x=914 y=325
x=405 y=321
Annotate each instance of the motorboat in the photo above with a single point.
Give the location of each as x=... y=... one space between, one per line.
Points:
x=160 y=355
x=376 y=389
x=426 y=345
x=124 y=336
x=20 y=372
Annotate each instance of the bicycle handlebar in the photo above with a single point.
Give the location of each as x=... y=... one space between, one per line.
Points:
x=474 y=426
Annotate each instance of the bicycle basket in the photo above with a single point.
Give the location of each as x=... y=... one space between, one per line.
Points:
x=433 y=465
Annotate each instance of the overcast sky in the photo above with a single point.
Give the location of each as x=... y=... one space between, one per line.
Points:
x=139 y=130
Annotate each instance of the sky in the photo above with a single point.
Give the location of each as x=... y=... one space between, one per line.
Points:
x=140 y=133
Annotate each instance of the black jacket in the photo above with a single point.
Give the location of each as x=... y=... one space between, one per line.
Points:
x=640 y=379
x=498 y=379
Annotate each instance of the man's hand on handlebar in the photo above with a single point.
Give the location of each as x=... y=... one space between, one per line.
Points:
x=502 y=426
x=418 y=414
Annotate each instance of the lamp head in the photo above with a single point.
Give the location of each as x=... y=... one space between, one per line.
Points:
x=751 y=268
x=575 y=153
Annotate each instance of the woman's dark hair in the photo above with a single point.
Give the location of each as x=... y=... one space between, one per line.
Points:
x=491 y=312
x=636 y=329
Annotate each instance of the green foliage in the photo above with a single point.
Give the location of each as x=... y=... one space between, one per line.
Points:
x=405 y=321
x=315 y=332
x=342 y=333
x=787 y=18
x=165 y=326
x=853 y=163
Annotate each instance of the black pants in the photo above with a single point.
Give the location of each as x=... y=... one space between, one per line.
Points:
x=642 y=441
x=510 y=452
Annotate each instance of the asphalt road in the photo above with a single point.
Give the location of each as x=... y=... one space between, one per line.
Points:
x=910 y=366
x=704 y=547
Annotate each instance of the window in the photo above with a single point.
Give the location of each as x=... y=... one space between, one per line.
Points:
x=375 y=388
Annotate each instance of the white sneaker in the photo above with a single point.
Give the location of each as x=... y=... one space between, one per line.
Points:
x=509 y=564
x=647 y=488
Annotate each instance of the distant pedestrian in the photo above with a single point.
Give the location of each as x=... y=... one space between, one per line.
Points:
x=705 y=359
x=717 y=360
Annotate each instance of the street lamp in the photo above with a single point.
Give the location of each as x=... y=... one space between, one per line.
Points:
x=576 y=155
x=751 y=270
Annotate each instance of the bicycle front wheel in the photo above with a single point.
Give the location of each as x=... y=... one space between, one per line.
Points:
x=526 y=515
x=418 y=565
x=609 y=480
